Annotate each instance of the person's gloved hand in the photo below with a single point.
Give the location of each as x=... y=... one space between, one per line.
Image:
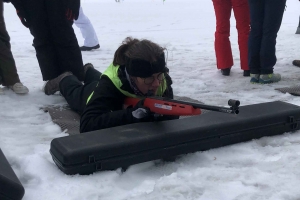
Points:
x=142 y=113
x=72 y=11
x=21 y=12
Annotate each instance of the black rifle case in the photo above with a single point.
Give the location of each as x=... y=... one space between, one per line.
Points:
x=10 y=186
x=123 y=146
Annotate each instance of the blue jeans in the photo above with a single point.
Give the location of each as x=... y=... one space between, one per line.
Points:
x=265 y=20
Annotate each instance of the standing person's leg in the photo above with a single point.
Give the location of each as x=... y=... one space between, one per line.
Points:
x=8 y=70
x=272 y=21
x=42 y=42
x=242 y=16
x=255 y=37
x=63 y=37
x=88 y=32
x=222 y=43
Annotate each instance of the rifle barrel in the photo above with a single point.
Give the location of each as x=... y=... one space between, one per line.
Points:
x=234 y=109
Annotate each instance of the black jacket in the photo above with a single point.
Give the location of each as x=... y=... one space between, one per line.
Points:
x=105 y=108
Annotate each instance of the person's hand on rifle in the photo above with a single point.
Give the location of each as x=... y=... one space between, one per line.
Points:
x=72 y=11
x=20 y=11
x=142 y=113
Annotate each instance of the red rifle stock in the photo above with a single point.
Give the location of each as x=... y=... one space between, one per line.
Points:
x=166 y=106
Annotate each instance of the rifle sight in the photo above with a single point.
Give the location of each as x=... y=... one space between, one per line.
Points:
x=233 y=103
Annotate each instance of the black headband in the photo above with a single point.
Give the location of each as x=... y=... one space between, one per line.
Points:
x=143 y=69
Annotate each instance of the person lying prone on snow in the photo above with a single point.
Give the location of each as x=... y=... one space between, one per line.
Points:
x=138 y=70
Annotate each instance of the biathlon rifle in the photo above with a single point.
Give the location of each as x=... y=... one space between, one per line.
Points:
x=166 y=106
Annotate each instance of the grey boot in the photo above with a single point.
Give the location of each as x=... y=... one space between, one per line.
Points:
x=52 y=85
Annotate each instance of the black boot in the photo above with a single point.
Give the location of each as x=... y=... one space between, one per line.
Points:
x=225 y=72
x=246 y=73
x=85 y=48
x=296 y=63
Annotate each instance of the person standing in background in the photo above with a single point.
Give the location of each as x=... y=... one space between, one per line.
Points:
x=223 y=51
x=266 y=17
x=8 y=72
x=88 y=32
x=56 y=45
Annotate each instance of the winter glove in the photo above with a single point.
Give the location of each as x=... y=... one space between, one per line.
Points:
x=72 y=11
x=21 y=12
x=142 y=113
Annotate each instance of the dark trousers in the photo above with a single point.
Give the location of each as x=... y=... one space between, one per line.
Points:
x=55 y=42
x=223 y=51
x=265 y=19
x=8 y=70
x=75 y=93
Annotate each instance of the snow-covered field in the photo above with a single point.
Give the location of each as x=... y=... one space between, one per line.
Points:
x=268 y=168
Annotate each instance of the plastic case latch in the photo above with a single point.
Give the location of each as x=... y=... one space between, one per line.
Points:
x=292 y=122
x=92 y=160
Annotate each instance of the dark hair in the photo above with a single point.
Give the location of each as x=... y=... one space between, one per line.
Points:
x=134 y=54
x=137 y=49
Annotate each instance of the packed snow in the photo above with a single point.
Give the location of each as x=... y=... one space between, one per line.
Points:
x=266 y=168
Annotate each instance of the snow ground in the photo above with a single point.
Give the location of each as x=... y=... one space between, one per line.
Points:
x=267 y=168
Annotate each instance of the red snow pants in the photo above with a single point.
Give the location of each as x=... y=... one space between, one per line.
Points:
x=222 y=43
